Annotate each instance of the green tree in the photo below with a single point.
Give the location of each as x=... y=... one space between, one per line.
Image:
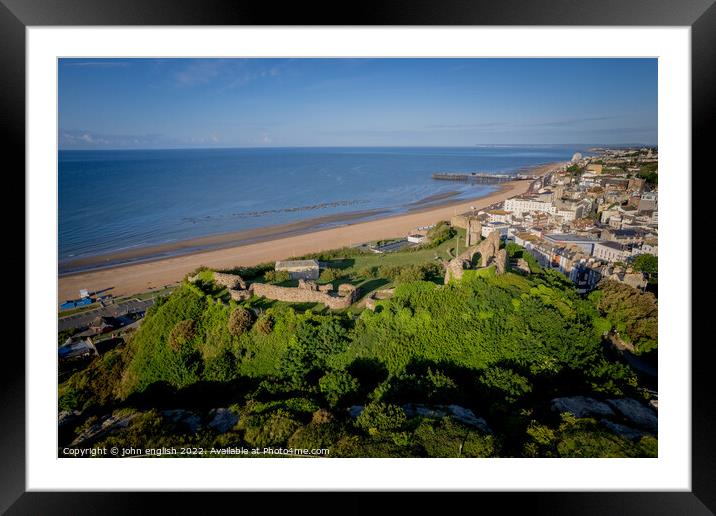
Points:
x=331 y=274
x=380 y=417
x=337 y=386
x=276 y=276
x=646 y=263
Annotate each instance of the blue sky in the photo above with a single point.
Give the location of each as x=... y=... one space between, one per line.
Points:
x=170 y=103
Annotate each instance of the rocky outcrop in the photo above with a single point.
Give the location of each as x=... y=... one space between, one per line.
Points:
x=469 y=418
x=581 y=406
x=103 y=427
x=638 y=413
x=355 y=410
x=183 y=417
x=222 y=420
x=456 y=412
x=627 y=432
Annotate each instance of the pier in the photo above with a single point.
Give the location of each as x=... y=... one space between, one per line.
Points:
x=475 y=177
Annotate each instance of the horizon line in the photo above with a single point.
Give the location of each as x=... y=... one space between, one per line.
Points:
x=593 y=144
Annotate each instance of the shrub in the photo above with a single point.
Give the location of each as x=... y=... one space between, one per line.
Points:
x=240 y=321
x=272 y=430
x=368 y=272
x=442 y=232
x=336 y=386
x=264 y=324
x=276 y=276
x=510 y=385
x=380 y=417
x=446 y=438
x=331 y=274
x=181 y=334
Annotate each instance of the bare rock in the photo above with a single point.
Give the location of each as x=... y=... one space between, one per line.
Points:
x=638 y=413
x=456 y=412
x=581 y=406
x=222 y=420
x=106 y=425
x=189 y=419
x=355 y=411
x=469 y=418
x=627 y=432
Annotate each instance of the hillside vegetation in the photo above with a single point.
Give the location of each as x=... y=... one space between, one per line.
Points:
x=363 y=383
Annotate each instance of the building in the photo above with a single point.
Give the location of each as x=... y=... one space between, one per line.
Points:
x=300 y=269
x=500 y=227
x=611 y=251
x=648 y=201
x=76 y=349
x=625 y=236
x=520 y=205
x=416 y=238
x=499 y=216
x=585 y=243
x=595 y=167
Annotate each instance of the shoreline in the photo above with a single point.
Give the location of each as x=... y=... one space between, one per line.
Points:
x=251 y=247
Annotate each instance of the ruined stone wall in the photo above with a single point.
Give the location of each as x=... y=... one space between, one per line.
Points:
x=230 y=281
x=473 y=232
x=490 y=254
x=459 y=221
x=302 y=295
x=488 y=248
x=239 y=295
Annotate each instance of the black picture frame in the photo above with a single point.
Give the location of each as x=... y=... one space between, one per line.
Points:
x=700 y=15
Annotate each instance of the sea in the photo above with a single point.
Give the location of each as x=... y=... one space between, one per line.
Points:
x=117 y=200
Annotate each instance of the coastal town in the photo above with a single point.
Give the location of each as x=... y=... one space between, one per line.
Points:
x=589 y=219
x=428 y=258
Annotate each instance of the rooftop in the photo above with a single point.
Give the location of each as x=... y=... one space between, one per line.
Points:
x=297 y=263
x=569 y=237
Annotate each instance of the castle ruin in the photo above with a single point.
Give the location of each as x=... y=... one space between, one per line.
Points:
x=490 y=254
x=308 y=292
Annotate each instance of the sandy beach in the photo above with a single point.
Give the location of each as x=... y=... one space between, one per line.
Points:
x=271 y=244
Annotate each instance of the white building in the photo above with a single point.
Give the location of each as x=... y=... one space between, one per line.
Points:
x=520 y=205
x=299 y=269
x=499 y=216
x=501 y=227
x=611 y=251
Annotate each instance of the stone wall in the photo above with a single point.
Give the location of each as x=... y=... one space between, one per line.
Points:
x=230 y=281
x=459 y=221
x=490 y=254
x=304 y=295
x=473 y=232
x=239 y=295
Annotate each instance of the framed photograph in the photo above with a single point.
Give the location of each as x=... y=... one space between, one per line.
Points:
x=418 y=250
